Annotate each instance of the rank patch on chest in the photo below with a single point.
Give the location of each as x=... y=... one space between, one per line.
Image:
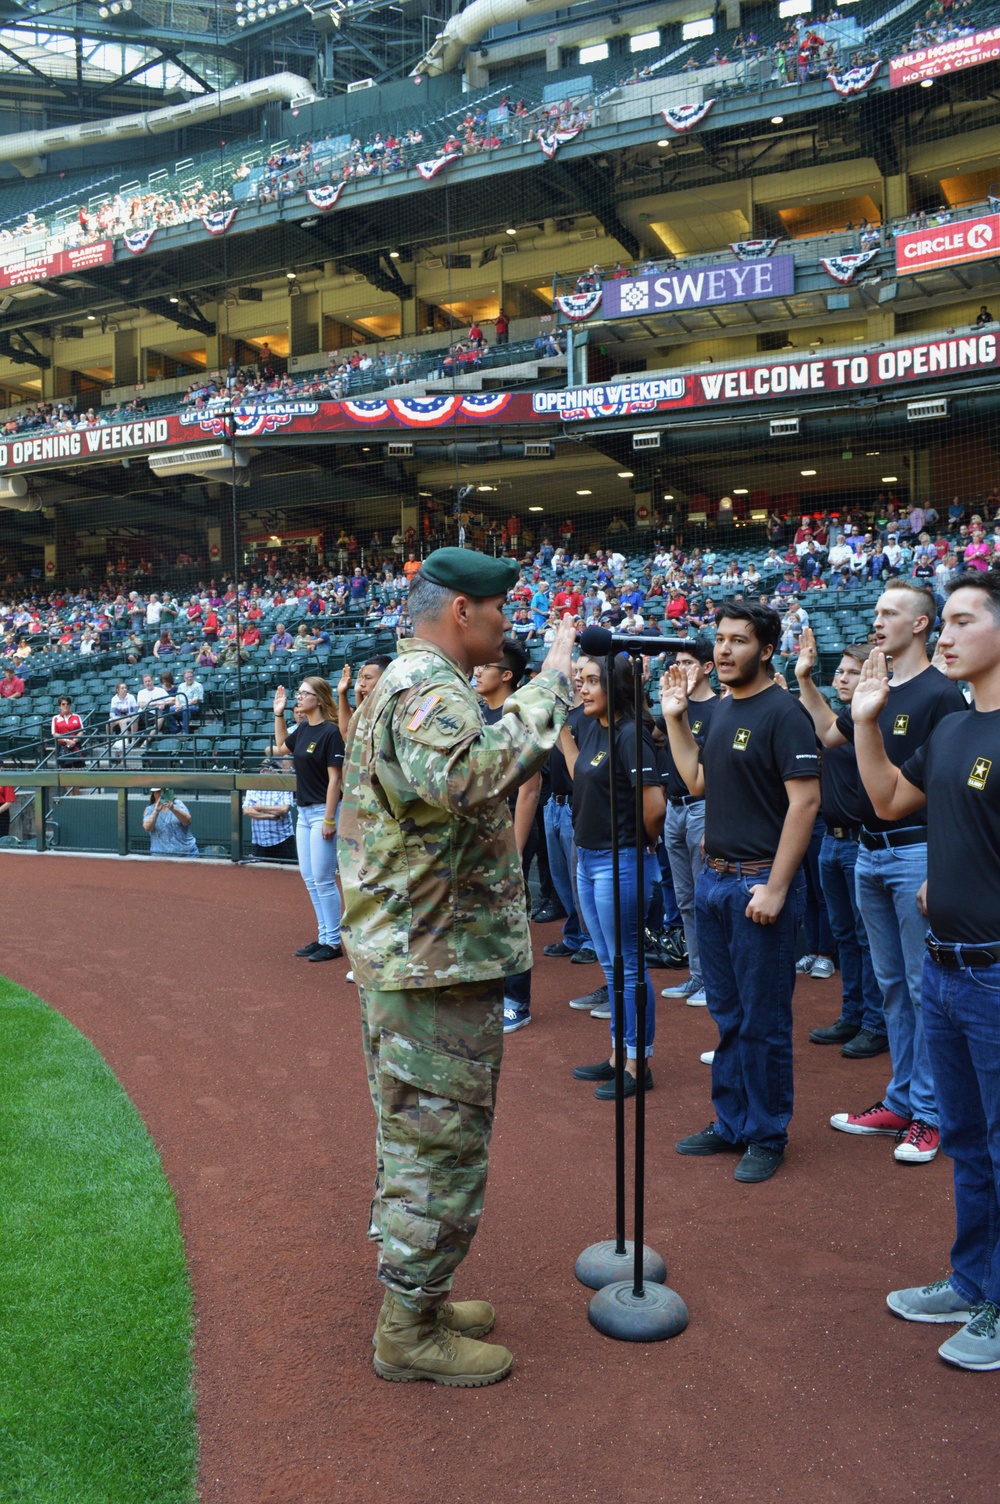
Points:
x=595 y=762
x=695 y=727
x=980 y=773
x=741 y=740
x=422 y=712
x=312 y=747
x=901 y=725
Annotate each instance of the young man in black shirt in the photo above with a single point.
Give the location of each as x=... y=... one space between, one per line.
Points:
x=956 y=774
x=558 y=818
x=860 y=1029
x=495 y=683
x=686 y=813
x=892 y=866
x=759 y=774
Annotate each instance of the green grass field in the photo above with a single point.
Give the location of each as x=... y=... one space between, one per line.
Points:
x=96 y=1403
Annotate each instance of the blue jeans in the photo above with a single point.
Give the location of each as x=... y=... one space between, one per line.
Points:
x=663 y=913
x=961 y=1012
x=887 y=881
x=559 y=840
x=749 y=975
x=318 y=865
x=862 y=1005
x=683 y=835
x=819 y=934
x=593 y=884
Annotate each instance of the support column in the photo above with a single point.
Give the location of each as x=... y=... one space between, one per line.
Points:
x=921 y=475
x=303 y=327
x=126 y=357
x=882 y=324
x=895 y=197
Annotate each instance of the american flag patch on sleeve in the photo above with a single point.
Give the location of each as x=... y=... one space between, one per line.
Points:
x=422 y=712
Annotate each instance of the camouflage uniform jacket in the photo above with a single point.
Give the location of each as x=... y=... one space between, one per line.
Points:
x=433 y=891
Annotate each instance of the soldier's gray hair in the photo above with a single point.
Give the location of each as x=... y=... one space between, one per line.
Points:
x=427 y=599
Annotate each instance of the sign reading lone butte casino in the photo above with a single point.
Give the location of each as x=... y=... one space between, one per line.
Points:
x=667 y=292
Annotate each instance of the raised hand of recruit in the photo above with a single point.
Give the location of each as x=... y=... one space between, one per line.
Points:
x=674 y=692
x=806 y=661
x=872 y=693
x=280 y=700
x=345 y=680
x=560 y=653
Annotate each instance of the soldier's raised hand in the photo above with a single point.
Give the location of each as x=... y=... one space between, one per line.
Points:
x=560 y=653
x=806 y=661
x=674 y=692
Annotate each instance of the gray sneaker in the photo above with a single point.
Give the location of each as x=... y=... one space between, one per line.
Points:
x=977 y=1345
x=805 y=964
x=697 y=999
x=592 y=1000
x=936 y=1302
x=683 y=989
x=603 y=1010
x=822 y=967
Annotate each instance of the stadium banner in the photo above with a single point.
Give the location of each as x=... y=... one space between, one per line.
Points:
x=21 y=269
x=733 y=282
x=947 y=245
x=854 y=81
x=786 y=379
x=684 y=117
x=945 y=57
x=752 y=250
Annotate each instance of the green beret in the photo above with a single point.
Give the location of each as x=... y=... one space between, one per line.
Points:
x=470 y=572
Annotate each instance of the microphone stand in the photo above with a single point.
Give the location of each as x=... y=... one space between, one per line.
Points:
x=641 y=1308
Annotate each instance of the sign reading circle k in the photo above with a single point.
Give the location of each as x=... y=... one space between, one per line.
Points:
x=947 y=245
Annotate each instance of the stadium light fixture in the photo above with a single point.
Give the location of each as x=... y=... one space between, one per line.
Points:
x=740 y=491
x=393 y=255
x=777 y=119
x=584 y=493
x=667 y=496
x=927 y=83
x=807 y=472
x=663 y=143
x=889 y=480
x=511 y=230
x=536 y=509
x=625 y=474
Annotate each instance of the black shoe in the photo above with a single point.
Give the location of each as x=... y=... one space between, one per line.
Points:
x=707 y=1142
x=602 y=1071
x=595 y=999
x=838 y=1033
x=307 y=950
x=758 y=1163
x=326 y=953
x=584 y=956
x=548 y=913
x=865 y=1046
x=606 y=1093
x=560 y=948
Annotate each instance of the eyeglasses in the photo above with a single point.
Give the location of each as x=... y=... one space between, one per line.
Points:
x=498 y=666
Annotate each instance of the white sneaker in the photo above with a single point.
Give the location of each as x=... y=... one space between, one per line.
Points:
x=349 y=976
x=822 y=967
x=697 y=999
x=707 y=1057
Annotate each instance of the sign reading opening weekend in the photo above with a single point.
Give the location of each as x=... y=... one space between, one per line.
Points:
x=666 y=292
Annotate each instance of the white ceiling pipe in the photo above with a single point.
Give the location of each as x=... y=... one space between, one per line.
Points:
x=465 y=29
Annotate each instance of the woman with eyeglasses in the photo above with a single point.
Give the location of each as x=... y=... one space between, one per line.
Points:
x=317 y=750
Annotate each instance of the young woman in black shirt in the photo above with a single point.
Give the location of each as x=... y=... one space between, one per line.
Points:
x=317 y=749
x=589 y=764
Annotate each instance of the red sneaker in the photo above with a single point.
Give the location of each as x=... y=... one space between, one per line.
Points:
x=918 y=1144
x=877 y=1119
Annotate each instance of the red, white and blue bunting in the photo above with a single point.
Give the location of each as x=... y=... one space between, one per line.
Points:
x=137 y=240
x=326 y=196
x=842 y=268
x=426 y=412
x=684 y=117
x=752 y=250
x=428 y=170
x=551 y=142
x=855 y=81
x=218 y=222
x=579 y=305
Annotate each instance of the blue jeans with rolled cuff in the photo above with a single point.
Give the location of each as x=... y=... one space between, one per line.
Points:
x=594 y=871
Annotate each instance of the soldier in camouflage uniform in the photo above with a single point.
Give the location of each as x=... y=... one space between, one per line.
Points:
x=434 y=919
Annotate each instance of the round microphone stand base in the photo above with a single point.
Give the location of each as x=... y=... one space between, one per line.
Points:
x=601 y=1264
x=653 y=1316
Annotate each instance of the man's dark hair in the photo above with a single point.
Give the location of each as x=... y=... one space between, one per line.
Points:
x=765 y=620
x=974 y=579
x=700 y=648
x=514 y=659
x=380 y=661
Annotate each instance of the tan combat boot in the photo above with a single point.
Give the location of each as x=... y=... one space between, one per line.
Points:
x=412 y=1345
x=469 y=1318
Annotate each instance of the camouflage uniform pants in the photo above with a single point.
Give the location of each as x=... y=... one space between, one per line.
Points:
x=433 y=1057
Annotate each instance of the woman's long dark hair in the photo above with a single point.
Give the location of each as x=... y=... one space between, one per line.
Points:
x=624 y=694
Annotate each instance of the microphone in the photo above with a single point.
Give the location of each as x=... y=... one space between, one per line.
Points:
x=598 y=642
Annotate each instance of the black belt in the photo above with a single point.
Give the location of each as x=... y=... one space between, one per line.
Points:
x=681 y=801
x=751 y=868
x=879 y=840
x=843 y=832
x=563 y=799
x=956 y=956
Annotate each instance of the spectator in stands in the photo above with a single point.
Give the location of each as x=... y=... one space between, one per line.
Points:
x=8 y=799
x=167 y=822
x=502 y=328
x=983 y=317
x=164 y=647
x=67 y=732
x=281 y=642
x=190 y=698
x=123 y=709
x=11 y=687
x=270 y=815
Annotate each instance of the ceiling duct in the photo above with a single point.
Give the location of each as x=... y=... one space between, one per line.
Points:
x=211 y=461
x=475 y=21
x=14 y=495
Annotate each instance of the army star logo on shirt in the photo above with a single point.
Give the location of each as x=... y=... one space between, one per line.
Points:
x=312 y=747
x=595 y=762
x=695 y=727
x=901 y=725
x=741 y=740
x=980 y=773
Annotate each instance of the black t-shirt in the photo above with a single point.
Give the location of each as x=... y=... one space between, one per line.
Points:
x=592 y=785
x=841 y=785
x=314 y=749
x=753 y=745
x=958 y=769
x=559 y=780
x=699 y=713
x=491 y=715
x=912 y=712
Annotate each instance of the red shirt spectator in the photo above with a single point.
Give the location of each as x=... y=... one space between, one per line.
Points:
x=251 y=636
x=11 y=687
